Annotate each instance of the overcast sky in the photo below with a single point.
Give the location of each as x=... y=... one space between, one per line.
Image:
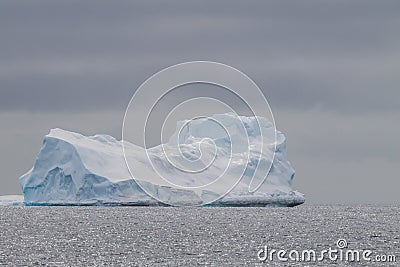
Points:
x=330 y=70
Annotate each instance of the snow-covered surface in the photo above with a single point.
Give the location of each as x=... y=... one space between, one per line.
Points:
x=72 y=169
x=11 y=200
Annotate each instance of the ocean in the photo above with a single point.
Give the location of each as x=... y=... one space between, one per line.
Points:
x=208 y=236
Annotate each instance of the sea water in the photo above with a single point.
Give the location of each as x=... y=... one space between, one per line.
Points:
x=170 y=236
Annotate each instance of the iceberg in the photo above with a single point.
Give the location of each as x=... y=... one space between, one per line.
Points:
x=73 y=169
x=11 y=200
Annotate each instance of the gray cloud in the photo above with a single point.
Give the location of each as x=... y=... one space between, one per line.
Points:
x=302 y=54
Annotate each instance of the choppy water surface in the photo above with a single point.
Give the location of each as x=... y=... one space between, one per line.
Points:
x=141 y=236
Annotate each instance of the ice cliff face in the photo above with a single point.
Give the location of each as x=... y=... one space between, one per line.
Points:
x=72 y=169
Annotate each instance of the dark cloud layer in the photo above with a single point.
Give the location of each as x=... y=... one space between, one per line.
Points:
x=330 y=70
x=340 y=55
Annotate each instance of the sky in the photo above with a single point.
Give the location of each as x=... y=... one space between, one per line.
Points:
x=329 y=69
